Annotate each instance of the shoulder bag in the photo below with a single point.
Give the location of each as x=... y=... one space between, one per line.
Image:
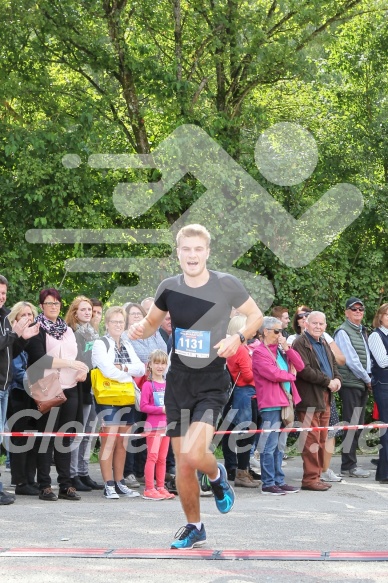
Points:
x=47 y=392
x=110 y=392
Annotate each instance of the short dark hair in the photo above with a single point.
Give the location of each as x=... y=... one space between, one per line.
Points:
x=49 y=291
x=96 y=302
x=278 y=311
x=4 y=280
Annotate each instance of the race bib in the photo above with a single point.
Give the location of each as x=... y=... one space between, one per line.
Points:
x=158 y=398
x=194 y=343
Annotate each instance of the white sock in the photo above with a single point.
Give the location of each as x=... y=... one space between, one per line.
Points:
x=218 y=476
x=198 y=525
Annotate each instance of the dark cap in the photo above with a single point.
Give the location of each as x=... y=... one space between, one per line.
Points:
x=351 y=301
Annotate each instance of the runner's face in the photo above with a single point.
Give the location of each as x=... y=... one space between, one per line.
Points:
x=193 y=253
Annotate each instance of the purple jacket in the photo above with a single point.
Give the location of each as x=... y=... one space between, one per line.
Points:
x=268 y=376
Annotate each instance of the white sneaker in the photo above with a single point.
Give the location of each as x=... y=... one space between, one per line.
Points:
x=254 y=463
x=123 y=490
x=110 y=492
x=330 y=476
x=131 y=481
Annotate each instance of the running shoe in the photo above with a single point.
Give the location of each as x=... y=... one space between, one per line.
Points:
x=223 y=491
x=123 y=490
x=189 y=537
x=205 y=488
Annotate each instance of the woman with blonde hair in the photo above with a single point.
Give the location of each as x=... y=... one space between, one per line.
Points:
x=79 y=317
x=117 y=360
x=23 y=461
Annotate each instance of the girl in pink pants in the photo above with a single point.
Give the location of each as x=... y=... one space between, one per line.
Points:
x=152 y=403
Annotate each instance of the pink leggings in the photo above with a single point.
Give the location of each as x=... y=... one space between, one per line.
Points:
x=157 y=448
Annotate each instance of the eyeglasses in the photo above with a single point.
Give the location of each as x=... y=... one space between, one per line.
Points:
x=135 y=314
x=51 y=304
x=274 y=330
x=357 y=309
x=116 y=322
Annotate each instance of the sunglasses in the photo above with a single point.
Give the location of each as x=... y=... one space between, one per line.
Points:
x=274 y=330
x=302 y=315
x=357 y=309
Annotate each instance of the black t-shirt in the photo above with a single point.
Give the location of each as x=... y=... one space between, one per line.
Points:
x=199 y=316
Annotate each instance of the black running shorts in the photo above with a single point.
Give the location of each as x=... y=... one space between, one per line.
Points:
x=194 y=395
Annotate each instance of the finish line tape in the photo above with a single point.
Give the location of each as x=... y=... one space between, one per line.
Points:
x=231 y=432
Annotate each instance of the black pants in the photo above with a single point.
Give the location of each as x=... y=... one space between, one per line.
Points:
x=380 y=393
x=23 y=450
x=61 y=418
x=353 y=412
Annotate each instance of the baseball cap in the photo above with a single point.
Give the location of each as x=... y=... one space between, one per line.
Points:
x=351 y=301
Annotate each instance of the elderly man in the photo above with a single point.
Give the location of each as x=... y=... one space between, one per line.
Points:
x=315 y=384
x=352 y=340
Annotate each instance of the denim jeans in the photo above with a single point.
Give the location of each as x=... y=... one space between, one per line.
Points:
x=271 y=447
x=243 y=415
x=3 y=411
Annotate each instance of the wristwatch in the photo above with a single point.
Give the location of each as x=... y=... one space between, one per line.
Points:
x=242 y=337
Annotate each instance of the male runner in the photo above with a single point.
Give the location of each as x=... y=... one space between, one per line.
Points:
x=199 y=302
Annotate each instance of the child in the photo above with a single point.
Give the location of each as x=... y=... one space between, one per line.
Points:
x=152 y=403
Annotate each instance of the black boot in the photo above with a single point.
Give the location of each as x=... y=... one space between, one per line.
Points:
x=87 y=480
x=78 y=485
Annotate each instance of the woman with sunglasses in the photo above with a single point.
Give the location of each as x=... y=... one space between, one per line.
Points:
x=274 y=365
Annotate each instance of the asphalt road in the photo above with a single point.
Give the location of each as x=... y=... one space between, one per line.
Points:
x=352 y=517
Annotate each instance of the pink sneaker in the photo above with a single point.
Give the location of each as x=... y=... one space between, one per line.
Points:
x=153 y=495
x=166 y=494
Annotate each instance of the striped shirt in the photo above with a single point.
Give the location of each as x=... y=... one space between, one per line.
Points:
x=377 y=347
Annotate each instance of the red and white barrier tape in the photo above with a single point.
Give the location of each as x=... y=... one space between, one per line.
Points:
x=153 y=431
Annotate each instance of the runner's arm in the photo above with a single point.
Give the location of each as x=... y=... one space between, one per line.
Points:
x=148 y=325
x=229 y=345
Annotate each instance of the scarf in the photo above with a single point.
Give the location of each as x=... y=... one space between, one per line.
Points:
x=87 y=331
x=54 y=329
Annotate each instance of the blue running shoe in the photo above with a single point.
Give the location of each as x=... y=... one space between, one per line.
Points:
x=189 y=537
x=223 y=492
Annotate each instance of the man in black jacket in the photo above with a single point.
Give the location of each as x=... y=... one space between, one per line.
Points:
x=12 y=341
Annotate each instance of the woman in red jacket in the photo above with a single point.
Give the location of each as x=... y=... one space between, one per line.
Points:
x=242 y=414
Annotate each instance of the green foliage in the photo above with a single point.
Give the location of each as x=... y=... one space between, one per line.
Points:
x=117 y=77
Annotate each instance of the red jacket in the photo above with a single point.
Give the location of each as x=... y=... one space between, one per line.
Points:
x=241 y=362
